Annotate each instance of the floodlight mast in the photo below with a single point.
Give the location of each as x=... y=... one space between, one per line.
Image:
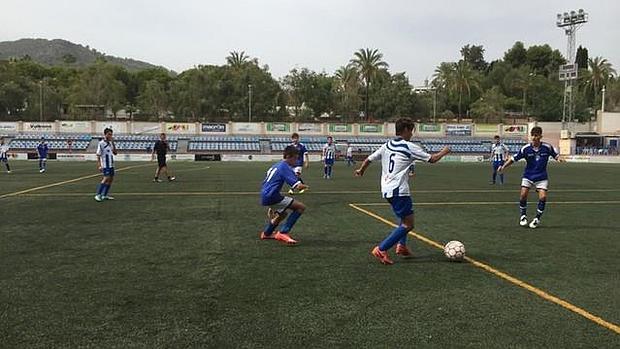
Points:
x=570 y=22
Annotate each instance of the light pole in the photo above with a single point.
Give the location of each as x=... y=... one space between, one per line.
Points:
x=603 y=101
x=570 y=22
x=249 y=102
x=41 y=100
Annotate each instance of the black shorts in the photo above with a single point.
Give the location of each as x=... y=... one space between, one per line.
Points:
x=161 y=161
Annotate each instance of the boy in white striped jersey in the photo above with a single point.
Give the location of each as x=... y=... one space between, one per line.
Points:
x=396 y=157
x=105 y=164
x=499 y=154
x=4 y=155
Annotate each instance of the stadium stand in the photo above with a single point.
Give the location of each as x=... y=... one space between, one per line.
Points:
x=224 y=143
x=142 y=142
x=55 y=142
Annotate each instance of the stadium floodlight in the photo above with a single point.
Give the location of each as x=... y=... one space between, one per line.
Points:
x=570 y=22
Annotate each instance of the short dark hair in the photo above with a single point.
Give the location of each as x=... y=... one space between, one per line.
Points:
x=107 y=130
x=536 y=130
x=330 y=137
x=295 y=135
x=496 y=137
x=404 y=124
x=162 y=134
x=290 y=151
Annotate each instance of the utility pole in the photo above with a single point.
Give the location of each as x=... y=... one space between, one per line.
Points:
x=249 y=102
x=603 y=101
x=41 y=100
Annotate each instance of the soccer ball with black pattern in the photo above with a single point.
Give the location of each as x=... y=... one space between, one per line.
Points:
x=454 y=250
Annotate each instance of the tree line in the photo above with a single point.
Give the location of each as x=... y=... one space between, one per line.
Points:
x=523 y=83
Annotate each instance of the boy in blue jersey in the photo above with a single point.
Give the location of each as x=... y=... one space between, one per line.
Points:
x=42 y=150
x=302 y=160
x=329 y=157
x=105 y=164
x=397 y=157
x=277 y=175
x=536 y=155
x=499 y=153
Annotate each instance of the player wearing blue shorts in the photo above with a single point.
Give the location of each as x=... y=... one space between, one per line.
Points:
x=42 y=150
x=105 y=164
x=277 y=204
x=499 y=153
x=396 y=157
x=536 y=155
x=4 y=155
x=303 y=159
x=329 y=157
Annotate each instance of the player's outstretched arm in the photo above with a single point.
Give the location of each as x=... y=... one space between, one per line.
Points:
x=360 y=171
x=506 y=165
x=437 y=156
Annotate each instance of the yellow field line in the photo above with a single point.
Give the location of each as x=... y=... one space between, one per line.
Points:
x=26 y=191
x=491 y=203
x=507 y=277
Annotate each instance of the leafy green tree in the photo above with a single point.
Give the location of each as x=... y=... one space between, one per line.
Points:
x=517 y=55
x=465 y=81
x=474 y=56
x=582 y=58
x=98 y=85
x=490 y=106
x=368 y=62
x=601 y=71
x=544 y=60
x=153 y=100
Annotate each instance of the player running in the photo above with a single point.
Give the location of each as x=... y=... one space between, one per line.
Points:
x=329 y=157
x=299 y=164
x=499 y=153
x=396 y=157
x=277 y=175
x=42 y=150
x=4 y=155
x=105 y=163
x=536 y=155
x=161 y=148
x=349 y=156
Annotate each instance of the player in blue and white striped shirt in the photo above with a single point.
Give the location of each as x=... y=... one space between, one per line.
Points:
x=105 y=163
x=329 y=157
x=499 y=154
x=4 y=156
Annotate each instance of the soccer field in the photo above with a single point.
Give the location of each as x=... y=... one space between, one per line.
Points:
x=180 y=264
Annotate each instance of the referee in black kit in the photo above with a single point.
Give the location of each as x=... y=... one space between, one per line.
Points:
x=161 y=147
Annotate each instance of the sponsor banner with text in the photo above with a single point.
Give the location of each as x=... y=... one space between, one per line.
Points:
x=514 y=129
x=118 y=127
x=340 y=128
x=246 y=127
x=429 y=128
x=8 y=127
x=278 y=127
x=458 y=129
x=39 y=127
x=146 y=128
x=180 y=128
x=371 y=128
x=489 y=129
x=310 y=128
x=213 y=127
x=75 y=126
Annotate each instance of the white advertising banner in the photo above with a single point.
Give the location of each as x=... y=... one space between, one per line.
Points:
x=8 y=127
x=117 y=126
x=310 y=128
x=146 y=128
x=75 y=126
x=246 y=127
x=39 y=127
x=180 y=128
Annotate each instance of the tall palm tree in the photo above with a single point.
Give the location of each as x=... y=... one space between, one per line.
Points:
x=237 y=59
x=600 y=73
x=521 y=79
x=347 y=84
x=368 y=62
x=465 y=80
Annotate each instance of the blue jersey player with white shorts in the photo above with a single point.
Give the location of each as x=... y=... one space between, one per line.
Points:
x=280 y=173
x=396 y=157
x=536 y=155
x=105 y=164
x=302 y=161
x=329 y=157
x=499 y=154
x=42 y=150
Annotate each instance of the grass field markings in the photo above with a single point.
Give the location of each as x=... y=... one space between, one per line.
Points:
x=549 y=297
x=26 y=191
x=460 y=203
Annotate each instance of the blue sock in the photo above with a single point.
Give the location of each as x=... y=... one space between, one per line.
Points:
x=329 y=170
x=523 y=207
x=541 y=208
x=290 y=222
x=269 y=228
x=325 y=170
x=403 y=240
x=394 y=236
x=501 y=178
x=494 y=175
x=106 y=189
x=40 y=164
x=100 y=188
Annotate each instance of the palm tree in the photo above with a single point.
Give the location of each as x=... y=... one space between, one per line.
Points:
x=368 y=62
x=521 y=80
x=465 y=80
x=347 y=84
x=600 y=73
x=237 y=59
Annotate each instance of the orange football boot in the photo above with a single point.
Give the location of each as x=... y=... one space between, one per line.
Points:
x=285 y=239
x=403 y=250
x=381 y=256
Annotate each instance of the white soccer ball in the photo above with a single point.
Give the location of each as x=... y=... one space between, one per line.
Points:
x=454 y=250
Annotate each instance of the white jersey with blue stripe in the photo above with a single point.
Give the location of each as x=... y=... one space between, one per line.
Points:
x=396 y=158
x=499 y=152
x=4 y=149
x=104 y=150
x=329 y=151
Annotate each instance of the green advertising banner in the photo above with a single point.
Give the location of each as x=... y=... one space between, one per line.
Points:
x=278 y=127
x=344 y=128
x=487 y=128
x=371 y=128
x=429 y=128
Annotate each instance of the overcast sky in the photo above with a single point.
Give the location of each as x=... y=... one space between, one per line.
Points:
x=414 y=36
